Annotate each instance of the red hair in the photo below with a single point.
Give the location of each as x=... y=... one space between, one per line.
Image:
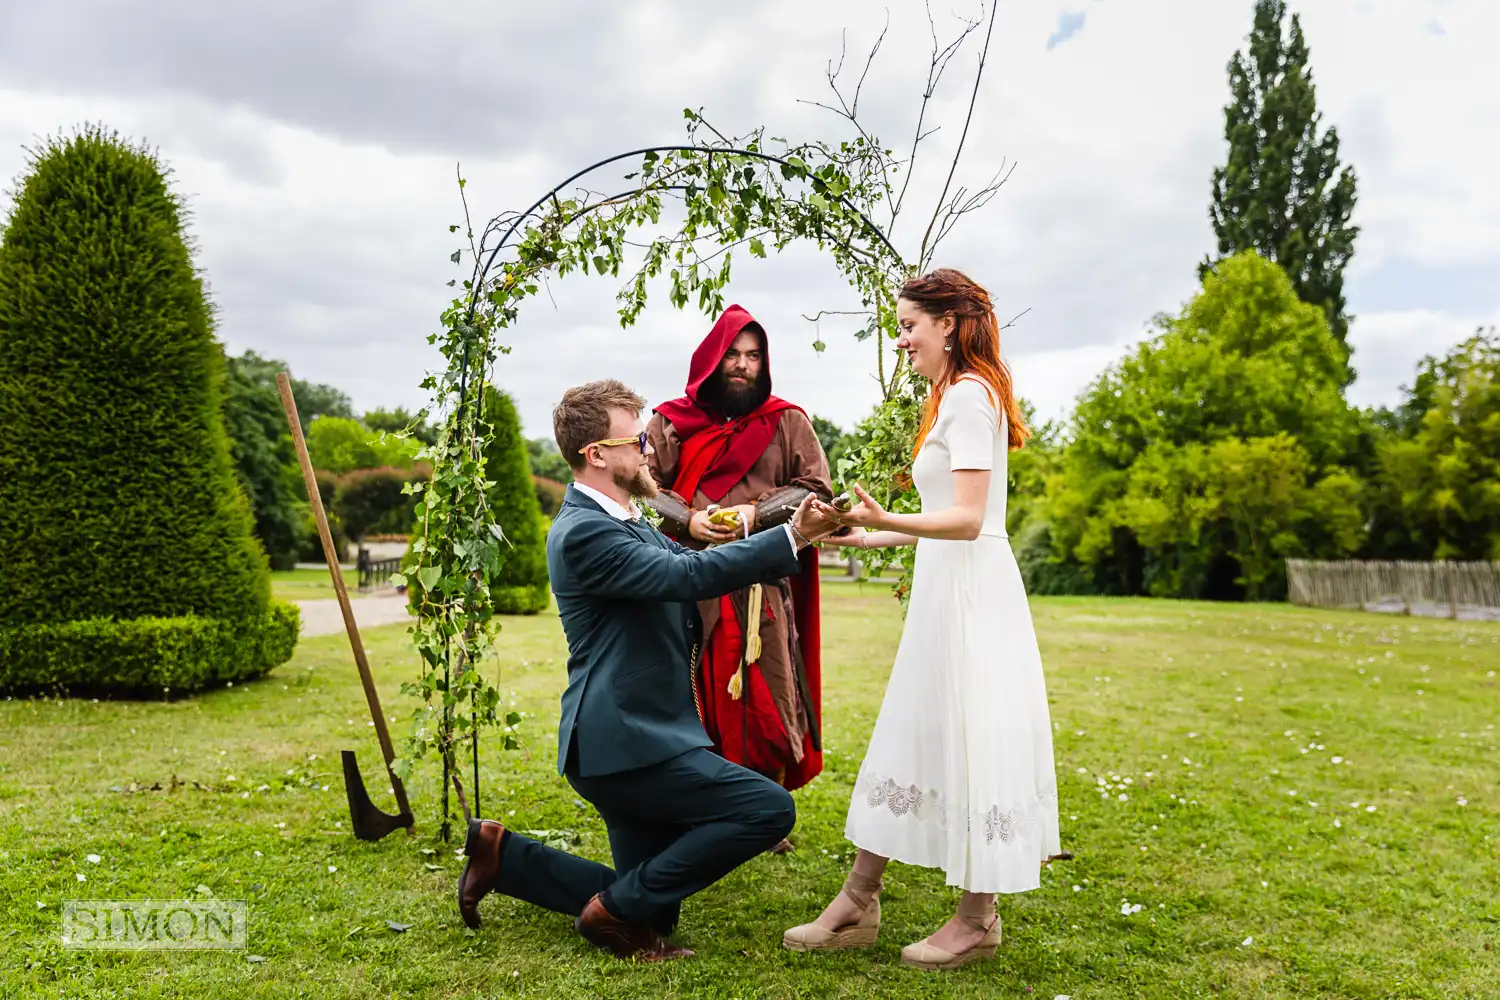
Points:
x=975 y=343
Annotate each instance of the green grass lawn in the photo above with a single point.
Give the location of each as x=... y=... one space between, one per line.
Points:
x=309 y=584
x=1302 y=803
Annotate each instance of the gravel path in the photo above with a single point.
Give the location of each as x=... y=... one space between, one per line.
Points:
x=322 y=617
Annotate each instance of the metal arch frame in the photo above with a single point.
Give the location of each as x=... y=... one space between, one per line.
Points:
x=516 y=223
x=505 y=240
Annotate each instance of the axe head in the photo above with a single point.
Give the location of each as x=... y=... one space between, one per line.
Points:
x=368 y=821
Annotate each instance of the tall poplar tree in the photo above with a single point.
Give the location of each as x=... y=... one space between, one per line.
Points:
x=1282 y=192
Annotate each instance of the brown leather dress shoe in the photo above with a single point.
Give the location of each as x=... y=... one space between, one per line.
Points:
x=481 y=867
x=625 y=940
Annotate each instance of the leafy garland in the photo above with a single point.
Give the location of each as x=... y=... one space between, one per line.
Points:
x=752 y=192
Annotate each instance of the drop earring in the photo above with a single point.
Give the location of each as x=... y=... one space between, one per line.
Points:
x=949 y=345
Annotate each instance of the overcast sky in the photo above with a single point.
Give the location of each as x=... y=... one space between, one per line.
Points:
x=316 y=142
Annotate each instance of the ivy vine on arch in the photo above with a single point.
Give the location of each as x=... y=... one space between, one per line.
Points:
x=753 y=193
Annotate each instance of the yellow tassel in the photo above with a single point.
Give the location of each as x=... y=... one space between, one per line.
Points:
x=752 y=642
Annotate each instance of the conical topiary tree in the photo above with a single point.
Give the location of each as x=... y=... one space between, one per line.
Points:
x=131 y=562
x=520 y=585
x=520 y=588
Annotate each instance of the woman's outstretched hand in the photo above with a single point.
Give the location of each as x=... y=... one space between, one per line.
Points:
x=853 y=538
x=865 y=514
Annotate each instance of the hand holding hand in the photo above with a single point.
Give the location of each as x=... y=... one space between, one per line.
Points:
x=809 y=523
x=853 y=538
x=865 y=514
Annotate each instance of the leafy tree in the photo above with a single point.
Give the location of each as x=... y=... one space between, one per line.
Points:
x=314 y=399
x=1437 y=483
x=547 y=461
x=1254 y=501
x=1281 y=192
x=399 y=421
x=131 y=560
x=265 y=459
x=1030 y=469
x=342 y=444
x=830 y=436
x=1199 y=461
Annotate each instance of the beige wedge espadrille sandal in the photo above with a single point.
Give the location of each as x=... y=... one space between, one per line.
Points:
x=860 y=934
x=923 y=955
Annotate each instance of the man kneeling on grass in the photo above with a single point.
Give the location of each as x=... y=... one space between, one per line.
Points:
x=630 y=741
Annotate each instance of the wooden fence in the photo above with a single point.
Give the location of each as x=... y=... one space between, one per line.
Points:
x=1396 y=586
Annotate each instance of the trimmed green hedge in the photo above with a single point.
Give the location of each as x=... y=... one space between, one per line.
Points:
x=158 y=657
x=119 y=499
x=520 y=588
x=312 y=546
x=373 y=501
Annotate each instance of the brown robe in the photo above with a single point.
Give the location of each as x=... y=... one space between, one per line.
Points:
x=793 y=458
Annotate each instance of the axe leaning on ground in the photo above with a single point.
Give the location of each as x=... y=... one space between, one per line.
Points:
x=369 y=822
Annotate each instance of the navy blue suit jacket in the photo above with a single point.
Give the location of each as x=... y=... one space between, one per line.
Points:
x=627 y=596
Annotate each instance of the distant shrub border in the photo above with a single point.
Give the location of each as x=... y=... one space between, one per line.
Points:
x=549 y=494
x=375 y=501
x=145 y=657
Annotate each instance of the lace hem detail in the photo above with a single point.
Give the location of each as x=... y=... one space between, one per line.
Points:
x=901 y=801
x=924 y=805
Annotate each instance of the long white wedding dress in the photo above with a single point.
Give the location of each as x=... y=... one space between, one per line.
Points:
x=959 y=772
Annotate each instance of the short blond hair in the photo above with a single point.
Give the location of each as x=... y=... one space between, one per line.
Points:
x=582 y=416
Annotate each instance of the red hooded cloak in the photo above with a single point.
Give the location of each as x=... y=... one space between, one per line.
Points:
x=715 y=455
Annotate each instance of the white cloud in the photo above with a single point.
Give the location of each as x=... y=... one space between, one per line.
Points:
x=1388 y=347
x=322 y=188
x=1416 y=119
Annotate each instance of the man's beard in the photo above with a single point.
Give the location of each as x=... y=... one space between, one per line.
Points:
x=736 y=399
x=640 y=486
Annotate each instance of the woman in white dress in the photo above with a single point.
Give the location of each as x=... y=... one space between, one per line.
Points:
x=959 y=771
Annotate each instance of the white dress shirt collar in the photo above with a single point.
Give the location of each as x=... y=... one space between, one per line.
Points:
x=611 y=506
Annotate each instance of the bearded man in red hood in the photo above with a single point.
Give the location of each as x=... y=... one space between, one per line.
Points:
x=729 y=443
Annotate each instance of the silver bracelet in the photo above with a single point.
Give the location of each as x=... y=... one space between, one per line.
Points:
x=804 y=543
